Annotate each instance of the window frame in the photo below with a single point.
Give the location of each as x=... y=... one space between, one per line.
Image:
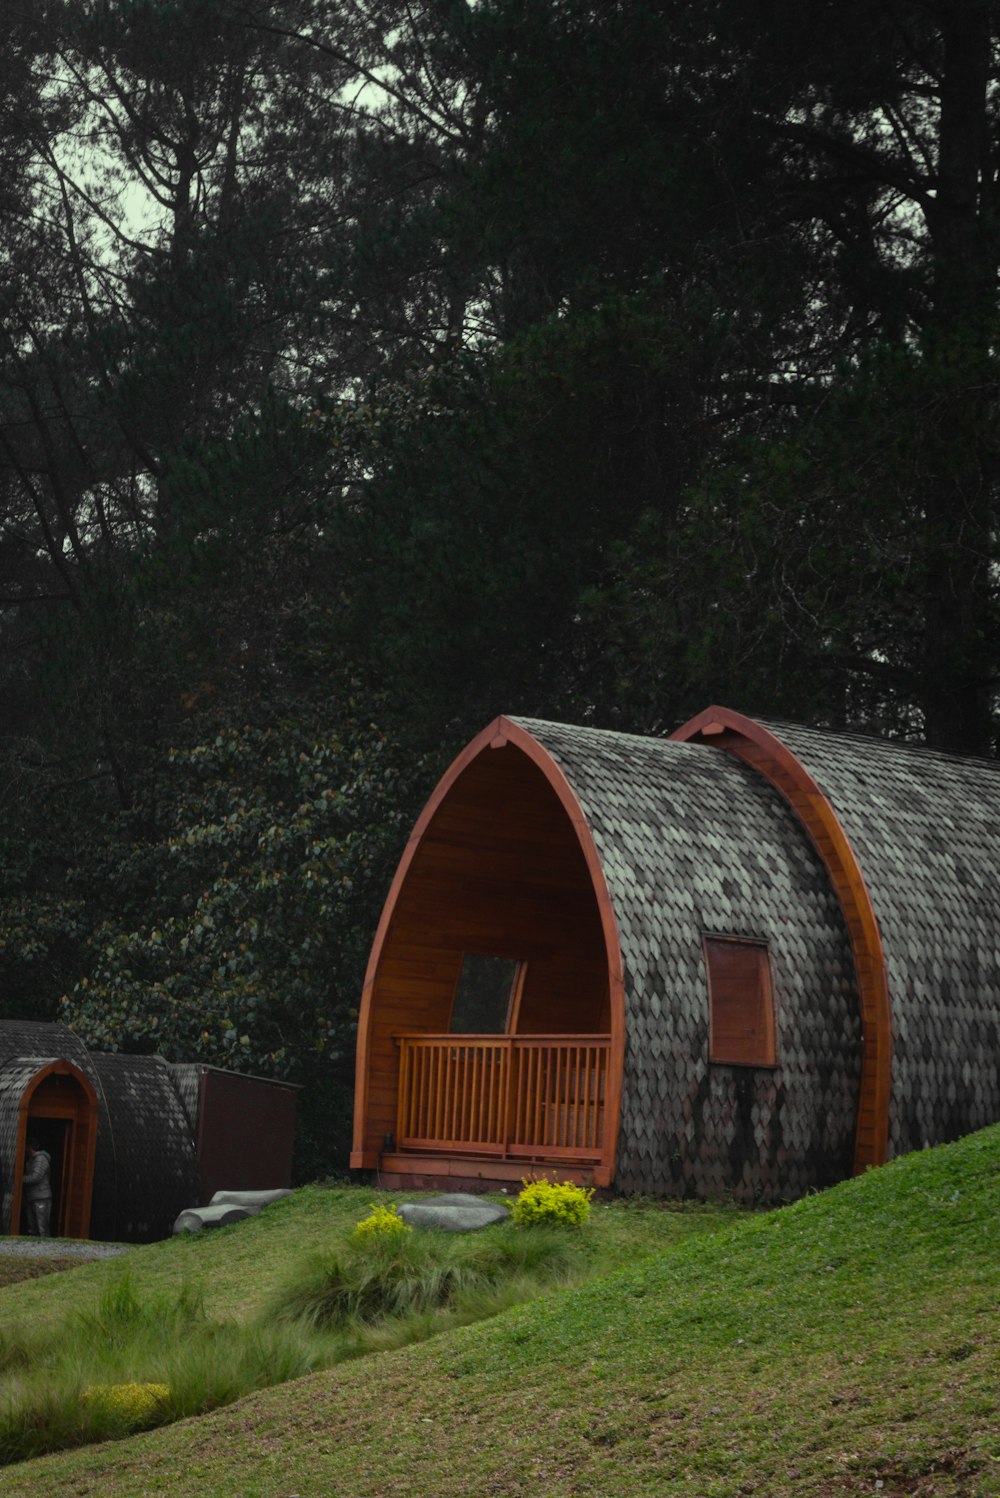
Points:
x=513 y=997
x=765 y=1057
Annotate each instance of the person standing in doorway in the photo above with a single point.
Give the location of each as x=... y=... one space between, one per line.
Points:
x=37 y=1190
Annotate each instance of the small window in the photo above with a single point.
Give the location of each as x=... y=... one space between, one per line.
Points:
x=485 y=992
x=741 y=1006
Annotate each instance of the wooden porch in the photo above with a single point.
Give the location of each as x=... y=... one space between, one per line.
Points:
x=509 y=1103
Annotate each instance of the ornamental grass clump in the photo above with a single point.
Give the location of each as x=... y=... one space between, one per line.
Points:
x=382 y=1225
x=379 y=1277
x=552 y=1204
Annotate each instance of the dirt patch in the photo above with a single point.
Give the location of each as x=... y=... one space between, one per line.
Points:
x=12 y=1271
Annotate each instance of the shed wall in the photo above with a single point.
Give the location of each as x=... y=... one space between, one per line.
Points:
x=245 y=1135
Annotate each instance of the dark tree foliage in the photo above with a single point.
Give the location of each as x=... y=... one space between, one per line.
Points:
x=367 y=370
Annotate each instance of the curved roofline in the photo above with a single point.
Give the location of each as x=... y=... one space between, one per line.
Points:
x=721 y=728
x=497 y=735
x=62 y=1067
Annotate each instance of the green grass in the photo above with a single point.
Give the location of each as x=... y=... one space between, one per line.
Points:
x=845 y=1345
x=162 y=1315
x=239 y=1268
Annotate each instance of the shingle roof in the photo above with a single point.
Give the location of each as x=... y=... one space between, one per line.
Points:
x=925 y=828
x=24 y=1037
x=147 y=1171
x=694 y=842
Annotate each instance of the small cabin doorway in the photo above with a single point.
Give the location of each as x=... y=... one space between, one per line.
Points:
x=59 y=1111
x=54 y=1136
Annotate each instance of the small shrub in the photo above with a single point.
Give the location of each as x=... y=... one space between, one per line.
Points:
x=549 y=1202
x=383 y=1225
x=130 y=1406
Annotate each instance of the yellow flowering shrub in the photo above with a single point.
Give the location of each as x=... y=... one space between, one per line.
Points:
x=383 y=1225
x=134 y=1405
x=547 y=1202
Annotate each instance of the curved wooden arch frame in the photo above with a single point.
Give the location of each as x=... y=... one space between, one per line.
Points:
x=721 y=728
x=60 y=1068
x=500 y=734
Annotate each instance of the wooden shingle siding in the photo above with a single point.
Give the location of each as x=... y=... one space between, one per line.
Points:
x=694 y=842
x=147 y=1168
x=754 y=744
x=926 y=830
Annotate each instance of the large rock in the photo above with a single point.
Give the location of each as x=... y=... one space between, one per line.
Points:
x=252 y=1200
x=455 y=1212
x=193 y=1219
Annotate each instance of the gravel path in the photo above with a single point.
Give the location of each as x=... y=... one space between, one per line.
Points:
x=59 y=1248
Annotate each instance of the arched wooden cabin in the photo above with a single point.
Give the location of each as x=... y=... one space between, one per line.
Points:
x=133 y=1140
x=747 y=959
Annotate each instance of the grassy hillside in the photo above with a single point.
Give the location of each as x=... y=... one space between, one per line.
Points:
x=845 y=1345
x=238 y=1268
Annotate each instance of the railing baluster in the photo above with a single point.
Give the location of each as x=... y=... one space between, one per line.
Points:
x=448 y=1073
x=444 y=1091
x=491 y=1096
x=454 y=1128
x=496 y=1133
x=572 y=1112
x=484 y=1101
x=541 y=1077
x=558 y=1099
x=427 y=1118
x=410 y=1059
x=438 y=1053
x=418 y=1057
x=484 y=1097
x=474 y=1098
x=517 y=1056
x=461 y=1131
x=417 y=1054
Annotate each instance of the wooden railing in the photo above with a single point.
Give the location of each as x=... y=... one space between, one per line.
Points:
x=507 y=1095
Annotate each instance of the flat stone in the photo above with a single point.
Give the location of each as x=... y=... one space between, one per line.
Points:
x=252 y=1200
x=193 y=1219
x=455 y=1212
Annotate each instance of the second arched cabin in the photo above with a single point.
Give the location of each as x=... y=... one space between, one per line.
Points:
x=132 y=1140
x=744 y=960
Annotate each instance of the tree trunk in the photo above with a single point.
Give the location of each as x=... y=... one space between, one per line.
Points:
x=957 y=665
